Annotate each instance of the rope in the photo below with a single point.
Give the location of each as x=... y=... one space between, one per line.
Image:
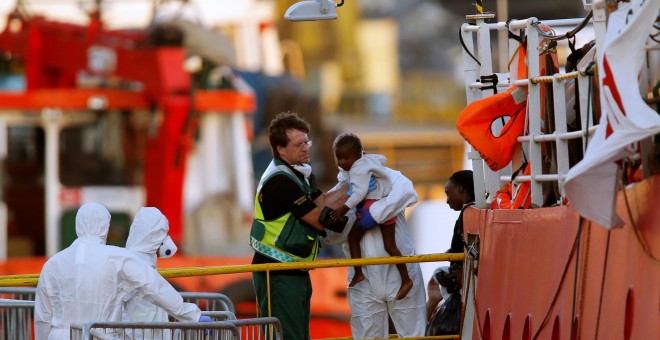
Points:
x=567 y=35
x=638 y=234
x=590 y=72
x=602 y=281
x=575 y=277
x=587 y=71
x=584 y=282
x=467 y=289
x=476 y=309
x=513 y=56
x=460 y=37
x=550 y=79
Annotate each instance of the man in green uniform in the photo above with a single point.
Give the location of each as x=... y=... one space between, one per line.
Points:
x=288 y=219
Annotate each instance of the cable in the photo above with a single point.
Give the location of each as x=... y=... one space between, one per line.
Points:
x=577 y=266
x=585 y=267
x=638 y=234
x=590 y=73
x=566 y=35
x=460 y=37
x=602 y=281
x=554 y=299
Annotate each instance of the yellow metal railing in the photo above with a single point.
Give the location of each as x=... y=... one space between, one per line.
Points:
x=32 y=279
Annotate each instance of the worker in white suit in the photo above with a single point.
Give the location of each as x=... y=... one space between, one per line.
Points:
x=90 y=281
x=373 y=299
x=148 y=239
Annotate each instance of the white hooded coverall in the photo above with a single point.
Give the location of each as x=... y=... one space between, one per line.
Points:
x=372 y=299
x=360 y=174
x=148 y=239
x=90 y=281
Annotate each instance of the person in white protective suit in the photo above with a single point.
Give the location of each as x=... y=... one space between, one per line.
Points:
x=373 y=299
x=148 y=239
x=90 y=281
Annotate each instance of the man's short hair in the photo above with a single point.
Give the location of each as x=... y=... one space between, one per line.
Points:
x=465 y=179
x=279 y=125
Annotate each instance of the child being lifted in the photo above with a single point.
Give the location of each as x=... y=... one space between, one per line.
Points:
x=368 y=182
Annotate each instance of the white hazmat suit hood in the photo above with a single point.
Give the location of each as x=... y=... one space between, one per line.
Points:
x=90 y=281
x=93 y=223
x=147 y=238
x=148 y=233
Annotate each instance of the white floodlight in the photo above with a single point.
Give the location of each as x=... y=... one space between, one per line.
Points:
x=312 y=10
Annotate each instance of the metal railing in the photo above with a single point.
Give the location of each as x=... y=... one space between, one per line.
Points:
x=259 y=328
x=32 y=279
x=205 y=301
x=253 y=329
x=209 y=301
x=18 y=293
x=220 y=315
x=488 y=182
x=16 y=319
x=217 y=330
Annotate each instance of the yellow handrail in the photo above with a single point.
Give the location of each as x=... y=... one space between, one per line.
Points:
x=32 y=279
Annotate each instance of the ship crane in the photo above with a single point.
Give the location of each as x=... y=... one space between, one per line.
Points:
x=73 y=74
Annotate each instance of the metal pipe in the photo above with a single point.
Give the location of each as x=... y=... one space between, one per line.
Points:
x=557 y=136
x=32 y=279
x=51 y=122
x=242 y=162
x=518 y=24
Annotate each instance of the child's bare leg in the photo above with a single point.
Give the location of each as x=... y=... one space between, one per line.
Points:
x=390 y=246
x=354 y=238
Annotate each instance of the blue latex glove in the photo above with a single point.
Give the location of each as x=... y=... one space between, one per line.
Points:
x=367 y=221
x=205 y=318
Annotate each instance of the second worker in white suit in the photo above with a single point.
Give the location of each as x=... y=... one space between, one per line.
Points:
x=148 y=239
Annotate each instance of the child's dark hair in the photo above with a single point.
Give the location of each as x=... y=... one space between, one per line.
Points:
x=464 y=178
x=350 y=141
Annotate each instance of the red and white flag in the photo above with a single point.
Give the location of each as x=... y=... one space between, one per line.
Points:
x=591 y=185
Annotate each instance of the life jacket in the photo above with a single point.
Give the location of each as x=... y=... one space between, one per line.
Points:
x=522 y=193
x=476 y=121
x=502 y=198
x=514 y=196
x=286 y=238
